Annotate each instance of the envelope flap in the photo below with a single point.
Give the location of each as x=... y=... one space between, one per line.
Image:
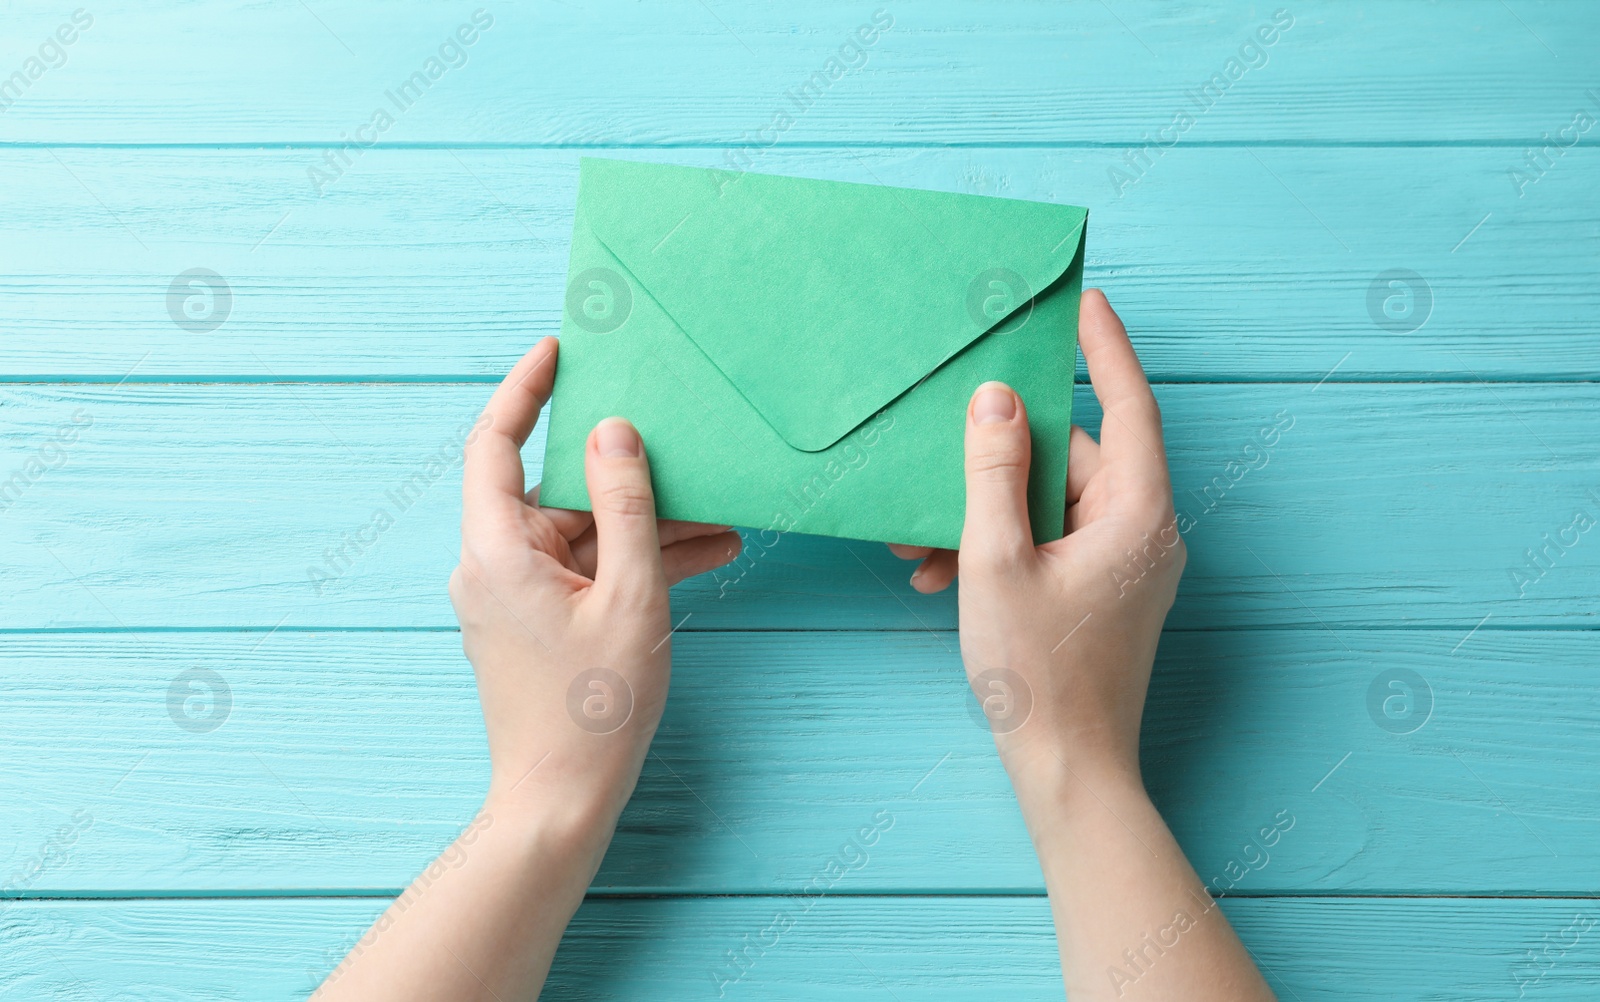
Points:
x=822 y=301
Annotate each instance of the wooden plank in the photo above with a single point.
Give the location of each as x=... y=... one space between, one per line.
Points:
x=1229 y=264
x=1332 y=506
x=944 y=72
x=1392 y=950
x=777 y=749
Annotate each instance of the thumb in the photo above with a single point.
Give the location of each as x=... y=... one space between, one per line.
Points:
x=629 y=553
x=998 y=451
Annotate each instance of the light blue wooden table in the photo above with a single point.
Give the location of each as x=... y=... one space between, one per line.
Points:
x=240 y=309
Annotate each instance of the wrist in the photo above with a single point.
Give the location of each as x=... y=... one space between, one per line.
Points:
x=576 y=784
x=572 y=818
x=1076 y=813
x=1066 y=780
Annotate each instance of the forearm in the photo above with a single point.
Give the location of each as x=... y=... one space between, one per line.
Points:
x=1133 y=921
x=483 y=921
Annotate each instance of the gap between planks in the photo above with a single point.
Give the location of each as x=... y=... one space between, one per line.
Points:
x=1511 y=142
x=251 y=894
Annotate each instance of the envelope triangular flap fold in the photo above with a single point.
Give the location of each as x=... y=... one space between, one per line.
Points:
x=821 y=301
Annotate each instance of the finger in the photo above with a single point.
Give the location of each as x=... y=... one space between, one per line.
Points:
x=576 y=526
x=1083 y=460
x=1131 y=430
x=1074 y=521
x=905 y=552
x=571 y=524
x=998 y=452
x=670 y=530
x=698 y=555
x=936 y=572
x=629 y=554
x=492 y=482
x=575 y=523
x=584 y=550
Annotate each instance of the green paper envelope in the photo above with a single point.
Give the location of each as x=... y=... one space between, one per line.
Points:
x=799 y=354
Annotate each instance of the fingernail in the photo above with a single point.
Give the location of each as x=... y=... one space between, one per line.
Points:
x=615 y=438
x=995 y=404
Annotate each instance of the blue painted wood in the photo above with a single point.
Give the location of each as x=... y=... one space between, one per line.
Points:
x=1339 y=506
x=1399 y=524
x=778 y=747
x=1228 y=264
x=1022 y=71
x=867 y=949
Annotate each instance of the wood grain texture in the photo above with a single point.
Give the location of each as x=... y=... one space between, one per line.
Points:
x=1313 y=950
x=946 y=72
x=168 y=514
x=1336 y=506
x=1228 y=264
x=346 y=761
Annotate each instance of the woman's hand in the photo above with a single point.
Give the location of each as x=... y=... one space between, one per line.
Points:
x=1058 y=641
x=564 y=614
x=564 y=618
x=1075 y=621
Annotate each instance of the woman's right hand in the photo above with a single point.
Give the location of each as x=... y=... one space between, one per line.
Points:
x=1059 y=639
x=1058 y=642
